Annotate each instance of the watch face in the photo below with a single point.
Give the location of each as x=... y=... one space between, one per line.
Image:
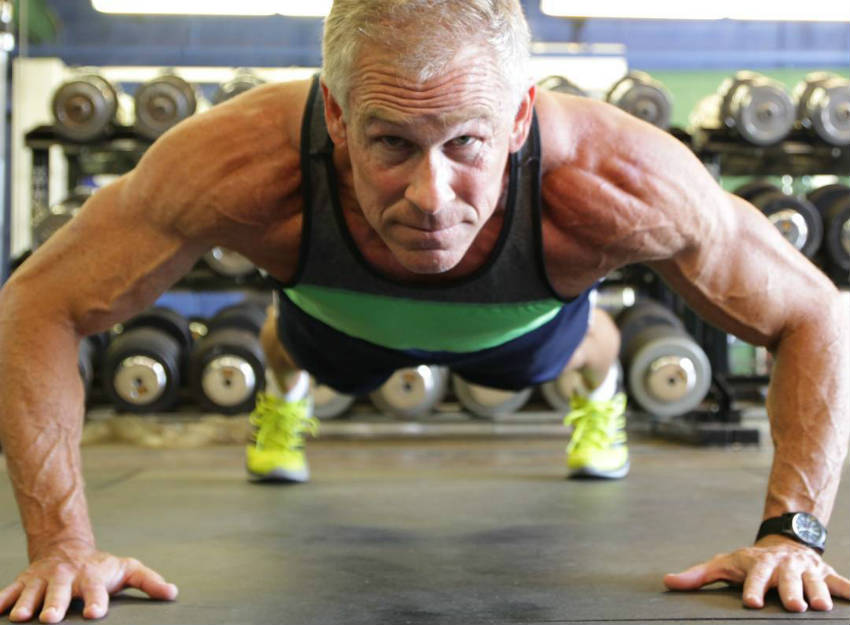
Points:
x=808 y=528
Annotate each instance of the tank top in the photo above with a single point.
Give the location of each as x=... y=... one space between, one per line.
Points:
x=508 y=296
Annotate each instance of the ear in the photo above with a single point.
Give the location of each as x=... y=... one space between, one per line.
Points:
x=333 y=117
x=522 y=121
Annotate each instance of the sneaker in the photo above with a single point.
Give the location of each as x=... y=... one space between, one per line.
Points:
x=597 y=447
x=276 y=450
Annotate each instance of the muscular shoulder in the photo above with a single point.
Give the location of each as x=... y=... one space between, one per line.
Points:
x=615 y=184
x=238 y=162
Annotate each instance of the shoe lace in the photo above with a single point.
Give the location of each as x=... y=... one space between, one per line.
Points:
x=282 y=424
x=592 y=420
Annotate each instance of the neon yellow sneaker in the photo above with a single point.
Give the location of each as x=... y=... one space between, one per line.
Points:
x=598 y=444
x=276 y=449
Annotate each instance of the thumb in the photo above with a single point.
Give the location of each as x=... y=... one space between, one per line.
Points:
x=692 y=579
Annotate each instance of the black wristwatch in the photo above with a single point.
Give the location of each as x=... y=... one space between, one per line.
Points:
x=801 y=526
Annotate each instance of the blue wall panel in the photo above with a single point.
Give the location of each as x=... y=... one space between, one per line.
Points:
x=88 y=37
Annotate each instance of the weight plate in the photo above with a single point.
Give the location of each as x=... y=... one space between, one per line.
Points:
x=643 y=97
x=763 y=113
x=227 y=370
x=84 y=108
x=837 y=239
x=411 y=392
x=329 y=404
x=755 y=187
x=828 y=109
x=668 y=375
x=163 y=102
x=487 y=402
x=165 y=319
x=228 y=380
x=243 y=81
x=797 y=219
x=227 y=263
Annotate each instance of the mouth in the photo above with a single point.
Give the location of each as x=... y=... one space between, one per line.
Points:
x=428 y=238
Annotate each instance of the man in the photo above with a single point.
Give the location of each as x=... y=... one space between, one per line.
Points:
x=429 y=108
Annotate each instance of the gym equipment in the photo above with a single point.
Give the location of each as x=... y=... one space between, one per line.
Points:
x=753 y=188
x=229 y=264
x=614 y=298
x=823 y=107
x=144 y=364
x=163 y=102
x=88 y=106
x=242 y=81
x=639 y=94
x=561 y=84
x=58 y=215
x=750 y=105
x=228 y=366
x=558 y=392
x=89 y=355
x=797 y=219
x=667 y=373
x=833 y=202
x=412 y=392
x=328 y=403
x=488 y=402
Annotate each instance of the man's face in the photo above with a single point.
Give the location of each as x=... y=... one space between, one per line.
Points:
x=428 y=160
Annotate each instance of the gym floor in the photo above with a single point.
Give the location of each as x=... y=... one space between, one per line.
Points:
x=472 y=529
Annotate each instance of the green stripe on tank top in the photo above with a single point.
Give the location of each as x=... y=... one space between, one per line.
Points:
x=412 y=324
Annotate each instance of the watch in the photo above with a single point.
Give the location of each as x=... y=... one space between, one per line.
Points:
x=800 y=526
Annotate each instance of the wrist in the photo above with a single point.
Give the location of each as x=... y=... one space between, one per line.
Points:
x=39 y=548
x=799 y=527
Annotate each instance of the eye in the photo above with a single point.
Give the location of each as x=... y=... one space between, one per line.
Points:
x=463 y=141
x=394 y=143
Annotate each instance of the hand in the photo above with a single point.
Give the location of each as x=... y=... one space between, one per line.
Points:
x=798 y=572
x=74 y=570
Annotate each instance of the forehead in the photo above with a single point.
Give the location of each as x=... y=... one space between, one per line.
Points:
x=467 y=87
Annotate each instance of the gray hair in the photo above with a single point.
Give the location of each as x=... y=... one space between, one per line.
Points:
x=430 y=33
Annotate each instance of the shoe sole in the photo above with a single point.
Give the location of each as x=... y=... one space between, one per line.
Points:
x=591 y=473
x=280 y=476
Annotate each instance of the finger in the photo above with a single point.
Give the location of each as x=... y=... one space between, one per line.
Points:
x=149 y=581
x=30 y=597
x=9 y=594
x=838 y=586
x=697 y=576
x=56 y=600
x=95 y=599
x=757 y=583
x=816 y=591
x=791 y=590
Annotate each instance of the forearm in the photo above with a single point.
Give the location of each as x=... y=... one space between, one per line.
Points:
x=41 y=417
x=808 y=408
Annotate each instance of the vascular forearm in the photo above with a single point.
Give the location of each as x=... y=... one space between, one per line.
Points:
x=808 y=408
x=41 y=416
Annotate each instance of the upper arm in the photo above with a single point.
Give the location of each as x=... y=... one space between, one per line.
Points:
x=215 y=179
x=635 y=194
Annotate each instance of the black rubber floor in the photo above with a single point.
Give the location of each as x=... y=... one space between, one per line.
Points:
x=415 y=532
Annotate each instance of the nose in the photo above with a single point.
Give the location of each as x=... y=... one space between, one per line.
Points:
x=430 y=187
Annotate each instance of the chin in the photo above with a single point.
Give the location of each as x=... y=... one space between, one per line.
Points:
x=430 y=262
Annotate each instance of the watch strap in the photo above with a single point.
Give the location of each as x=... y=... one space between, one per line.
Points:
x=783 y=526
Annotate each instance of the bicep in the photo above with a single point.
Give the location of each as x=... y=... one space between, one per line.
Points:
x=742 y=275
x=112 y=260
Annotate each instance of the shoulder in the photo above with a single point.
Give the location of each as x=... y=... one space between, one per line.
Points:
x=637 y=189
x=237 y=161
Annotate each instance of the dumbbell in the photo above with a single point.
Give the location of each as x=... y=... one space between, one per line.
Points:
x=558 y=392
x=667 y=373
x=163 y=102
x=328 y=403
x=797 y=219
x=144 y=364
x=228 y=263
x=411 y=392
x=639 y=94
x=89 y=355
x=833 y=202
x=58 y=215
x=88 y=106
x=228 y=366
x=614 y=298
x=561 y=84
x=823 y=107
x=488 y=402
x=243 y=80
x=754 y=107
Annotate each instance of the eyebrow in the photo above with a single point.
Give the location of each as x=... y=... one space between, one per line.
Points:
x=377 y=115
